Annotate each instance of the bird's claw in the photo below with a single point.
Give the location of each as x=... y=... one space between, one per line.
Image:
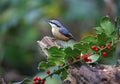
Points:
x=54 y=39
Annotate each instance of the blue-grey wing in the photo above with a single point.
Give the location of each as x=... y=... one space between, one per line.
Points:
x=65 y=32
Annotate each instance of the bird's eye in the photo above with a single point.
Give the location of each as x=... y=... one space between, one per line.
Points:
x=52 y=22
x=55 y=24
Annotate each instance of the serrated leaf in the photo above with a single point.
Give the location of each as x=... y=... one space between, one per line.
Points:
x=57 y=72
x=71 y=52
x=102 y=39
x=55 y=60
x=89 y=39
x=83 y=47
x=94 y=58
x=55 y=51
x=86 y=43
x=64 y=74
x=45 y=65
x=98 y=30
x=107 y=26
x=110 y=58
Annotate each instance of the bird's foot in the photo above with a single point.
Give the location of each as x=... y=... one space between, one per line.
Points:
x=54 y=39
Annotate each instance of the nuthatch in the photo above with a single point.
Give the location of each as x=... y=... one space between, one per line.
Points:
x=59 y=31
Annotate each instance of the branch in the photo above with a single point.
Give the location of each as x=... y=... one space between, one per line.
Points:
x=47 y=42
x=81 y=73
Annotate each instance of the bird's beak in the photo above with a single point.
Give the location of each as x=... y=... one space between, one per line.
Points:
x=49 y=21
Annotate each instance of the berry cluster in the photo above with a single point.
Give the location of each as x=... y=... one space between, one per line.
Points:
x=108 y=46
x=94 y=48
x=102 y=49
x=83 y=56
x=77 y=58
x=103 y=53
x=38 y=80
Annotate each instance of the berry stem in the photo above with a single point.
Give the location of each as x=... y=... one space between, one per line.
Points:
x=60 y=69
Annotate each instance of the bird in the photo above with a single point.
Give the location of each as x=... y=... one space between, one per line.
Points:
x=59 y=31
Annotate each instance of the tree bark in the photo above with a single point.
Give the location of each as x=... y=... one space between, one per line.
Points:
x=82 y=73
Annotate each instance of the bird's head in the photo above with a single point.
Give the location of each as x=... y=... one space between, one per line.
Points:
x=55 y=23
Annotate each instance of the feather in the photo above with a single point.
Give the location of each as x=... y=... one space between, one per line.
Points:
x=65 y=32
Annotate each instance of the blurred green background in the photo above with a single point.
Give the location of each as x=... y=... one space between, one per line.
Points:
x=23 y=22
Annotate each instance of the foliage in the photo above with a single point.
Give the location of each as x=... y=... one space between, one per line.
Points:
x=21 y=25
x=99 y=48
x=105 y=42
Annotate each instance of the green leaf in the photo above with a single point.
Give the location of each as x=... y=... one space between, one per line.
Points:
x=64 y=74
x=86 y=43
x=71 y=52
x=55 y=60
x=45 y=65
x=107 y=26
x=81 y=46
x=88 y=39
x=98 y=30
x=102 y=39
x=110 y=58
x=55 y=51
x=57 y=71
x=94 y=58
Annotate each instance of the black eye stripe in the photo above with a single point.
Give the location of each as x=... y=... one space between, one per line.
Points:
x=55 y=24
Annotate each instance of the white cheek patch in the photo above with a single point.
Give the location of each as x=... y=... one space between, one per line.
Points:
x=52 y=25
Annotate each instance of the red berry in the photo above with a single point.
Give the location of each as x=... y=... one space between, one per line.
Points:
x=93 y=47
x=82 y=55
x=108 y=48
x=87 y=54
x=72 y=60
x=90 y=60
x=96 y=50
x=86 y=59
x=34 y=82
x=48 y=71
x=35 y=78
x=77 y=57
x=102 y=46
x=43 y=81
x=109 y=44
x=104 y=53
x=38 y=78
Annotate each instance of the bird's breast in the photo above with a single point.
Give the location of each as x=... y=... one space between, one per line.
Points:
x=59 y=35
